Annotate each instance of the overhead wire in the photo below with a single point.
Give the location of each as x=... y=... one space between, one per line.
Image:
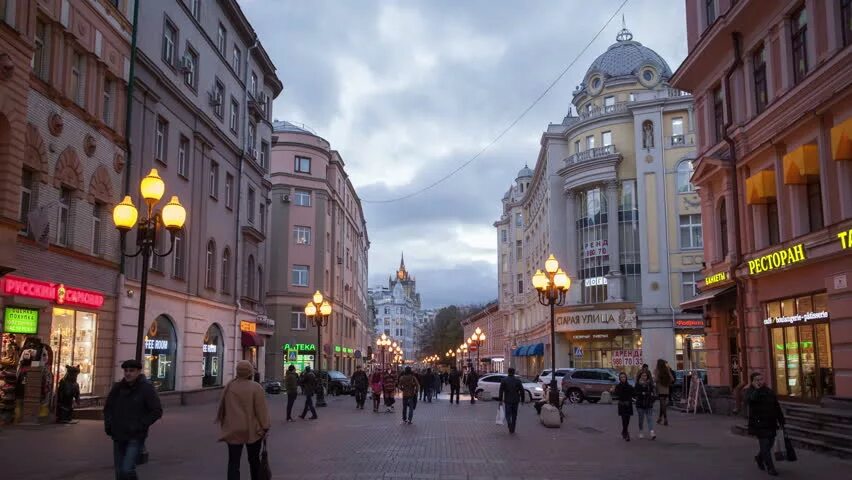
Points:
x=511 y=125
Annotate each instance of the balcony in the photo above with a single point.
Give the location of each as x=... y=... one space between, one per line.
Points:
x=674 y=92
x=591 y=154
x=595 y=111
x=680 y=141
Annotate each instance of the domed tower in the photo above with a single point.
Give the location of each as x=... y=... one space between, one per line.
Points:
x=522 y=181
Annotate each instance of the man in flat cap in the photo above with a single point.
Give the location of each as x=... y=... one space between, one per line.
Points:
x=131 y=408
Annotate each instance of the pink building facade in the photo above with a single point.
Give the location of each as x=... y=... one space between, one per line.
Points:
x=492 y=351
x=320 y=243
x=774 y=174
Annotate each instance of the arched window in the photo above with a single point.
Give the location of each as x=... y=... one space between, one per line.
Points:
x=250 y=278
x=210 y=277
x=160 y=350
x=260 y=291
x=226 y=271
x=212 y=356
x=684 y=173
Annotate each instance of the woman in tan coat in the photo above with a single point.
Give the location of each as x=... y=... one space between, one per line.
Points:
x=244 y=419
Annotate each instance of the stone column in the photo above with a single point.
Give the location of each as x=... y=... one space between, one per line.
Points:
x=615 y=280
x=571 y=246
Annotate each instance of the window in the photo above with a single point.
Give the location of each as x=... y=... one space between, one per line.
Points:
x=190 y=74
x=710 y=11
x=169 y=42
x=609 y=104
x=253 y=85
x=107 y=106
x=160 y=139
x=226 y=271
x=690 y=232
x=520 y=279
x=235 y=113
x=300 y=275
x=576 y=146
x=229 y=190
x=222 y=39
x=63 y=237
x=815 y=219
x=236 y=55
x=302 y=235
x=303 y=198
x=210 y=276
x=718 y=114
x=590 y=142
x=195 y=8
x=97 y=234
x=631 y=97
x=78 y=79
x=183 y=157
x=689 y=284
x=260 y=287
x=26 y=197
x=799 y=29
x=772 y=223
x=758 y=72
x=677 y=131
x=214 y=179
x=519 y=220
x=519 y=249
x=684 y=174
x=178 y=254
x=252 y=136
x=303 y=165
x=250 y=205
x=504 y=235
x=218 y=99
x=261 y=213
x=298 y=321
x=723 y=228
x=39 y=62
x=264 y=153
x=606 y=139
x=846 y=21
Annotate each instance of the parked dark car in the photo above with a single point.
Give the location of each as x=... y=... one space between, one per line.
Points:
x=272 y=387
x=677 y=389
x=336 y=382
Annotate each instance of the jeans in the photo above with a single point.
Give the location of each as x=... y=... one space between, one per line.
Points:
x=765 y=452
x=428 y=394
x=454 y=391
x=664 y=403
x=360 y=397
x=291 y=400
x=124 y=455
x=646 y=415
x=408 y=404
x=309 y=405
x=511 y=409
x=235 y=452
x=472 y=390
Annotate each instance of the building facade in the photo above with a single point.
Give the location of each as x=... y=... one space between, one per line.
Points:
x=398 y=309
x=201 y=116
x=322 y=244
x=610 y=197
x=489 y=356
x=774 y=172
x=62 y=94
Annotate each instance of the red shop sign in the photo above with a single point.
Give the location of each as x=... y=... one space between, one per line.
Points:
x=54 y=292
x=689 y=323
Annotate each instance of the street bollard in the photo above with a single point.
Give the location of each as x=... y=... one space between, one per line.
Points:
x=606 y=398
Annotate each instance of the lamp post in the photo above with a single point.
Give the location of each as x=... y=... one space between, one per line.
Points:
x=172 y=218
x=464 y=350
x=318 y=310
x=383 y=342
x=552 y=284
x=476 y=339
x=458 y=356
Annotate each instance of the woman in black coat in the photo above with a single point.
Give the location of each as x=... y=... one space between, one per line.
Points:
x=624 y=393
x=764 y=418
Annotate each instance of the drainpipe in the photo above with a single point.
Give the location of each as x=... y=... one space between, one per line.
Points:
x=128 y=109
x=736 y=256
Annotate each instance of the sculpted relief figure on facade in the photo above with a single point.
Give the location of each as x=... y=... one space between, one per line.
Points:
x=647 y=134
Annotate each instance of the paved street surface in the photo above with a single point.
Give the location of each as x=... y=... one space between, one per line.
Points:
x=445 y=442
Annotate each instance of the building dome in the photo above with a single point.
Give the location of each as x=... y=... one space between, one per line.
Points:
x=284 y=126
x=525 y=172
x=626 y=57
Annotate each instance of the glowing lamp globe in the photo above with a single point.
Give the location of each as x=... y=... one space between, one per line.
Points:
x=551 y=265
x=561 y=280
x=152 y=187
x=318 y=298
x=477 y=331
x=310 y=309
x=325 y=309
x=174 y=215
x=124 y=214
x=539 y=280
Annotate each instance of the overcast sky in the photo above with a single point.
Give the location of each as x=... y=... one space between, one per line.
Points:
x=407 y=91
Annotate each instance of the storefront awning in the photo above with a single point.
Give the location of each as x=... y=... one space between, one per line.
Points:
x=520 y=351
x=697 y=302
x=800 y=164
x=534 y=350
x=760 y=187
x=251 y=339
x=841 y=141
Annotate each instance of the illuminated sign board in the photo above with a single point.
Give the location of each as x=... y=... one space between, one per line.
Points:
x=845 y=239
x=339 y=349
x=689 y=323
x=248 y=326
x=777 y=259
x=594 y=281
x=156 y=344
x=719 y=277
x=20 y=320
x=796 y=318
x=53 y=292
x=208 y=348
x=300 y=347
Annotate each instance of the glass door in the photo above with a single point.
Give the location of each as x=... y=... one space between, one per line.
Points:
x=824 y=360
x=778 y=360
x=807 y=355
x=794 y=385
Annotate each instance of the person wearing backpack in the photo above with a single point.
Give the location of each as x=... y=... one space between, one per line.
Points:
x=623 y=391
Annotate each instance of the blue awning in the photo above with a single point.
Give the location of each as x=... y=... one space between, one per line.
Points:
x=537 y=349
x=521 y=351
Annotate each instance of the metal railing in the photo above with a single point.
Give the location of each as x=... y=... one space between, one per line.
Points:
x=591 y=154
x=684 y=140
x=674 y=92
x=596 y=111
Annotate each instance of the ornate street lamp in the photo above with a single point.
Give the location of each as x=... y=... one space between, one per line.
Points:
x=172 y=218
x=318 y=310
x=383 y=342
x=477 y=339
x=464 y=350
x=458 y=355
x=552 y=284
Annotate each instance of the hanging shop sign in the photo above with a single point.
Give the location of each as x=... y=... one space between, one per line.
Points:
x=627 y=358
x=53 y=292
x=777 y=259
x=691 y=323
x=208 y=348
x=806 y=317
x=248 y=326
x=719 y=277
x=20 y=320
x=596 y=320
x=341 y=349
x=300 y=347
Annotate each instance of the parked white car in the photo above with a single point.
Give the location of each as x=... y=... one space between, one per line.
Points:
x=490 y=385
x=544 y=376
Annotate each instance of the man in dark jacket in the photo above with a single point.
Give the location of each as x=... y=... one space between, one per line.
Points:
x=309 y=386
x=764 y=418
x=427 y=384
x=360 y=383
x=409 y=385
x=454 y=379
x=291 y=386
x=511 y=394
x=472 y=383
x=132 y=406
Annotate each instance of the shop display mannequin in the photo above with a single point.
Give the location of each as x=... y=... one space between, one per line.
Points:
x=67 y=393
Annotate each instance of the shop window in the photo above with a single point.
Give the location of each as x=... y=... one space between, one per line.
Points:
x=160 y=351
x=758 y=65
x=689 y=351
x=72 y=338
x=814 y=192
x=213 y=354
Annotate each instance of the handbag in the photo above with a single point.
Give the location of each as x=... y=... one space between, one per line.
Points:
x=778 y=449
x=501 y=416
x=265 y=471
x=789 y=450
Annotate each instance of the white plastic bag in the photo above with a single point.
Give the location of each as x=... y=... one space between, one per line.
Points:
x=501 y=416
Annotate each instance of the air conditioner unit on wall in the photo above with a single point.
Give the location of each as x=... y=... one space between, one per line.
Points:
x=215 y=99
x=186 y=64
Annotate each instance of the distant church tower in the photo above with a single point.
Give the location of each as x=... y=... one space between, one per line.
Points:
x=408 y=283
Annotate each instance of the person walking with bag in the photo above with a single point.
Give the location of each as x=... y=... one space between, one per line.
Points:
x=309 y=387
x=376 y=387
x=244 y=420
x=454 y=379
x=764 y=418
x=645 y=398
x=291 y=386
x=389 y=389
x=511 y=394
x=664 y=381
x=623 y=391
x=360 y=383
x=409 y=385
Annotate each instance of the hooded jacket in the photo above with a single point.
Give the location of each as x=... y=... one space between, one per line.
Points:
x=131 y=409
x=243 y=414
